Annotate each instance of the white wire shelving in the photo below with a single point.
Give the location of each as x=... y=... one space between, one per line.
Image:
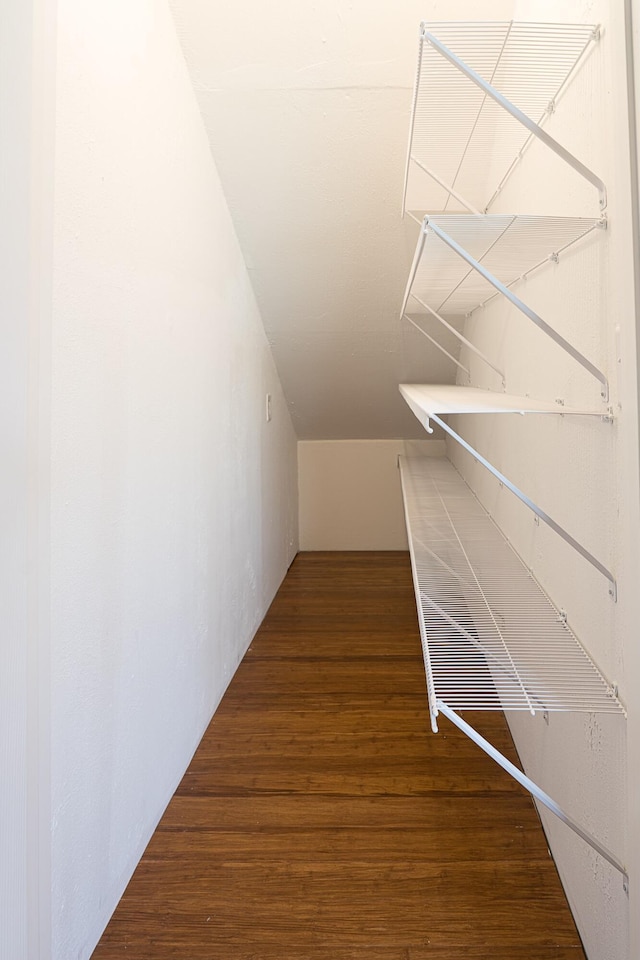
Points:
x=491 y=638
x=428 y=401
x=463 y=261
x=494 y=640
x=483 y=92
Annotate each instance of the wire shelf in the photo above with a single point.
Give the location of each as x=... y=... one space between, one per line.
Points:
x=463 y=261
x=464 y=133
x=427 y=399
x=492 y=639
x=509 y=247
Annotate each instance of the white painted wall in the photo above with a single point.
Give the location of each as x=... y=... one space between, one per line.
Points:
x=15 y=64
x=307 y=109
x=26 y=181
x=584 y=474
x=173 y=501
x=349 y=492
x=632 y=650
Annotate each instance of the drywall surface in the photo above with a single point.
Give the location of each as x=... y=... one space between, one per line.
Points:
x=15 y=114
x=632 y=650
x=583 y=472
x=349 y=492
x=173 y=500
x=307 y=110
x=26 y=201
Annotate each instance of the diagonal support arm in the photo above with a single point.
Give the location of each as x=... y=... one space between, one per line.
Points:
x=518 y=115
x=533 y=789
x=517 y=302
x=566 y=536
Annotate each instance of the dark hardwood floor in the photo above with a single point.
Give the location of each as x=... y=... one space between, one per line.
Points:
x=320 y=817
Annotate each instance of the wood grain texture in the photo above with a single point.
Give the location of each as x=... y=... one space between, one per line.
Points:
x=320 y=818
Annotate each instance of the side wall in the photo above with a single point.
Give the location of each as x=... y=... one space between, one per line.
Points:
x=582 y=471
x=349 y=492
x=173 y=501
x=27 y=77
x=632 y=653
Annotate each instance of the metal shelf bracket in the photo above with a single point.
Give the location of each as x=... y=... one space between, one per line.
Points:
x=510 y=78
x=538 y=511
x=430 y=225
x=534 y=790
x=521 y=117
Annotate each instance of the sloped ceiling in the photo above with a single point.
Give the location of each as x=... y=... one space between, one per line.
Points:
x=306 y=105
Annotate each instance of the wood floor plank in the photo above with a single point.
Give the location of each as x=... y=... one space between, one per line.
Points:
x=326 y=844
x=444 y=814
x=320 y=818
x=327 y=741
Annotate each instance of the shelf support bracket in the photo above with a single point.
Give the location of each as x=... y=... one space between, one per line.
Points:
x=518 y=115
x=436 y=344
x=459 y=336
x=414 y=269
x=589 y=557
x=516 y=301
x=533 y=789
x=445 y=186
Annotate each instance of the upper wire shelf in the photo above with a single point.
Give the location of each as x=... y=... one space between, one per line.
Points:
x=483 y=92
x=462 y=261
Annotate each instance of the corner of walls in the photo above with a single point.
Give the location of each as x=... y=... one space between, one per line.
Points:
x=349 y=492
x=173 y=500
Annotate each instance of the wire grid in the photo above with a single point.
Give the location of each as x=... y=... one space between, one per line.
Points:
x=492 y=639
x=507 y=246
x=465 y=137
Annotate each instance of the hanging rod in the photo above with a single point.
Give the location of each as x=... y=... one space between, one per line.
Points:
x=534 y=789
x=425 y=401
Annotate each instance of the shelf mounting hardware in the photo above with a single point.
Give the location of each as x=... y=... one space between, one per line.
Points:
x=490 y=87
x=429 y=224
x=537 y=792
x=514 y=246
x=490 y=641
x=436 y=344
x=521 y=117
x=427 y=401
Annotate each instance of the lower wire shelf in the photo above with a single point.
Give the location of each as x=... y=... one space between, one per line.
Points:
x=491 y=638
x=428 y=401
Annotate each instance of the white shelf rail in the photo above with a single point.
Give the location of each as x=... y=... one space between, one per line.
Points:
x=537 y=792
x=463 y=261
x=491 y=638
x=428 y=401
x=478 y=87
